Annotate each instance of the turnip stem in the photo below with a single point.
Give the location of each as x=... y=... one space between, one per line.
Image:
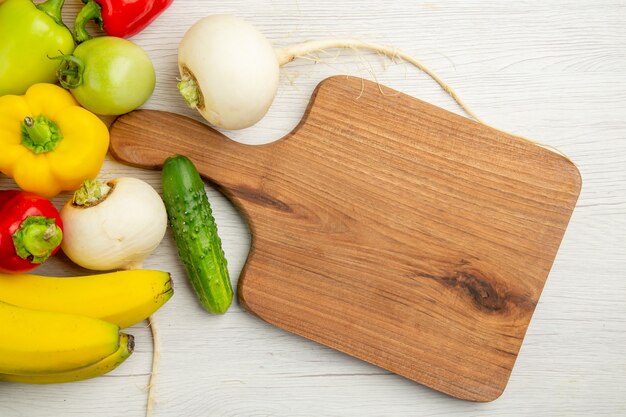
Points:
x=292 y=52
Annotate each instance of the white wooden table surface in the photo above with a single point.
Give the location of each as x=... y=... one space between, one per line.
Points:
x=552 y=71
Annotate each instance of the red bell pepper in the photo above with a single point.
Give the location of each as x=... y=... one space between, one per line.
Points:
x=121 y=18
x=31 y=231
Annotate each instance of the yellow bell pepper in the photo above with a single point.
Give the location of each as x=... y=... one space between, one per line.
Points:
x=48 y=143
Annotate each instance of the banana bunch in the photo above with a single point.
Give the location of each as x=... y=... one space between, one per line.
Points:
x=56 y=330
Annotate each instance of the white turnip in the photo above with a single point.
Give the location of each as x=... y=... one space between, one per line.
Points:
x=229 y=70
x=113 y=225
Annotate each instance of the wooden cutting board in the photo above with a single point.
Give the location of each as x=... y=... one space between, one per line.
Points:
x=386 y=228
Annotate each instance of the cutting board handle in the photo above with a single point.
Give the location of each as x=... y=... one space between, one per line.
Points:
x=145 y=138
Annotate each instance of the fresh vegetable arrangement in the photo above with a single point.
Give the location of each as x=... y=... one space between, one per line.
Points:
x=73 y=322
x=58 y=330
x=51 y=141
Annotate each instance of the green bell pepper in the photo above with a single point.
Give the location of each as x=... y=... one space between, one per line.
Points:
x=29 y=35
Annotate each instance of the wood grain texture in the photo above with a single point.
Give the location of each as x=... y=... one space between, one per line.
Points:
x=553 y=71
x=386 y=228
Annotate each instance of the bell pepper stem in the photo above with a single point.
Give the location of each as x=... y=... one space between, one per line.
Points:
x=40 y=134
x=36 y=238
x=53 y=9
x=90 y=11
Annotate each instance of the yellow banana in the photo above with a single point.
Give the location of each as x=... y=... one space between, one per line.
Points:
x=102 y=367
x=123 y=298
x=35 y=342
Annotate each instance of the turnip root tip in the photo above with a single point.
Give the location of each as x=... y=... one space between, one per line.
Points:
x=290 y=53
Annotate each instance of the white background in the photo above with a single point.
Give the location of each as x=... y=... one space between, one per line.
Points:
x=551 y=71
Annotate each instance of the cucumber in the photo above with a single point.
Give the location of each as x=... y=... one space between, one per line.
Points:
x=195 y=233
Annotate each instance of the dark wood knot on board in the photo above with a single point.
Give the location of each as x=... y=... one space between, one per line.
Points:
x=480 y=289
x=485 y=294
x=258 y=197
